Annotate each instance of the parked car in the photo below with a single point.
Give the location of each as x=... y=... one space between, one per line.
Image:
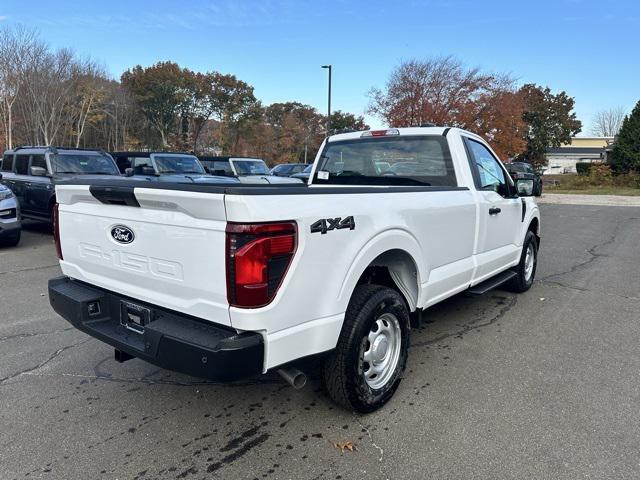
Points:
x=525 y=170
x=165 y=167
x=304 y=174
x=246 y=170
x=10 y=226
x=336 y=269
x=288 y=169
x=32 y=172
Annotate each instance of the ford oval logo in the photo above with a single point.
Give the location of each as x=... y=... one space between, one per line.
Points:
x=122 y=234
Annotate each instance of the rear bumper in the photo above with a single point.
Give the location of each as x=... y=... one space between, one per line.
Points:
x=170 y=340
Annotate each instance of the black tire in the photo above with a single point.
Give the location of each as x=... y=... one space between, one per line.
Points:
x=521 y=282
x=11 y=241
x=343 y=372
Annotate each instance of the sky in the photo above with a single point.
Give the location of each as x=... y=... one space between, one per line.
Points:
x=590 y=49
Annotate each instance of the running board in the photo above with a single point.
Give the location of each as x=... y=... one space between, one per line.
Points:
x=492 y=283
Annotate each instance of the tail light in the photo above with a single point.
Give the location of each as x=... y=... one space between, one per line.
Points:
x=56 y=231
x=258 y=256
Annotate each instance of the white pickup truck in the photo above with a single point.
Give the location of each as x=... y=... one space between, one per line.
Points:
x=226 y=281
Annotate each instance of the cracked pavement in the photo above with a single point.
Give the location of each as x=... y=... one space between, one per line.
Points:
x=544 y=385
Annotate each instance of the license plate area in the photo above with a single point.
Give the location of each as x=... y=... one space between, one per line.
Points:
x=134 y=317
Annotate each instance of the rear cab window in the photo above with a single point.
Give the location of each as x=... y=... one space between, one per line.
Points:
x=391 y=160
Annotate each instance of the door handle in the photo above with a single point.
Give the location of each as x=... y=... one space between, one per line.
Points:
x=494 y=211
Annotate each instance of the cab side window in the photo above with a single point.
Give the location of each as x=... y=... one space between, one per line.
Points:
x=38 y=161
x=22 y=164
x=489 y=173
x=7 y=163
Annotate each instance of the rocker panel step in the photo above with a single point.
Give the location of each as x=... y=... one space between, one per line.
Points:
x=492 y=283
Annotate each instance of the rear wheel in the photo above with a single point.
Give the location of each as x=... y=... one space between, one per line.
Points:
x=526 y=269
x=365 y=369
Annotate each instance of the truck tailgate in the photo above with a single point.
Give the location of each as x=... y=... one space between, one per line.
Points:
x=164 y=247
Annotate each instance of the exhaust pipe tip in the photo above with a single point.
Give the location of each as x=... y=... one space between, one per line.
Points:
x=293 y=377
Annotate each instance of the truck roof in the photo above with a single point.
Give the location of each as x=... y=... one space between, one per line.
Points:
x=402 y=131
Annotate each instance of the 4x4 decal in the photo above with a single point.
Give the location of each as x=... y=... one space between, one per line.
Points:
x=325 y=225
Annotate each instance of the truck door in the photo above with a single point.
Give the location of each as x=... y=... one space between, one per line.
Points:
x=499 y=215
x=38 y=193
x=21 y=180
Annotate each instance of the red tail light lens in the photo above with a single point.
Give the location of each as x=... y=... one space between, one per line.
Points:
x=258 y=256
x=56 y=231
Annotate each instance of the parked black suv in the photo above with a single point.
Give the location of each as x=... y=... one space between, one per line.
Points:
x=524 y=170
x=31 y=173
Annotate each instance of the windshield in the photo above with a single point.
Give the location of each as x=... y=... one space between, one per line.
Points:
x=83 y=163
x=250 y=167
x=177 y=164
x=401 y=160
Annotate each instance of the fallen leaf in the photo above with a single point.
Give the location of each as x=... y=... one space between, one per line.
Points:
x=345 y=446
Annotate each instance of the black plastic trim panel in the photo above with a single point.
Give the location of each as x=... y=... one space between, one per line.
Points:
x=117 y=191
x=170 y=340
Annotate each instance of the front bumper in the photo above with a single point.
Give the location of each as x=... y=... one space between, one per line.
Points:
x=170 y=340
x=9 y=217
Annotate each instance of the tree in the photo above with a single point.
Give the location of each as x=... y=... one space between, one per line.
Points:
x=444 y=92
x=438 y=90
x=607 y=123
x=16 y=46
x=347 y=121
x=550 y=120
x=161 y=92
x=626 y=150
x=89 y=93
x=235 y=105
x=500 y=121
x=295 y=129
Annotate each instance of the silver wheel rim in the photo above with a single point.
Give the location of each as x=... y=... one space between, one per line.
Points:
x=381 y=351
x=529 y=261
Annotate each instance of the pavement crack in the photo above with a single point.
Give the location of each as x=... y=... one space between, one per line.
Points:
x=586 y=290
x=30 y=269
x=51 y=357
x=474 y=325
x=593 y=252
x=34 y=334
x=373 y=444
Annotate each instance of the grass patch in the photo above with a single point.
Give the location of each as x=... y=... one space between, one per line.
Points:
x=626 y=191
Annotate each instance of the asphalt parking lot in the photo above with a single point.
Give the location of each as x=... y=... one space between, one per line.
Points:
x=544 y=385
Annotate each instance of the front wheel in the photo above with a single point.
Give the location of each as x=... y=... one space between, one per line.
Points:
x=11 y=241
x=365 y=369
x=526 y=269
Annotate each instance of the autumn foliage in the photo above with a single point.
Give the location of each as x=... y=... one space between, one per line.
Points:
x=444 y=92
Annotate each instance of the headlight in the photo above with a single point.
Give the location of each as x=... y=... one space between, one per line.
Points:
x=5 y=193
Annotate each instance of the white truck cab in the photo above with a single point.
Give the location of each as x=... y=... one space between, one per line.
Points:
x=227 y=281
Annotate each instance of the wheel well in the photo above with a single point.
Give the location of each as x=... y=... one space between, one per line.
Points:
x=395 y=269
x=534 y=227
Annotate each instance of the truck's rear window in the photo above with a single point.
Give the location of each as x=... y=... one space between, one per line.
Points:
x=409 y=160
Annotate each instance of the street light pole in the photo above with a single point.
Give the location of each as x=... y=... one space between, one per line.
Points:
x=329 y=101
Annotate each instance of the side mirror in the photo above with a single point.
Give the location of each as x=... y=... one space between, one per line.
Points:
x=38 y=171
x=148 y=171
x=128 y=172
x=524 y=187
